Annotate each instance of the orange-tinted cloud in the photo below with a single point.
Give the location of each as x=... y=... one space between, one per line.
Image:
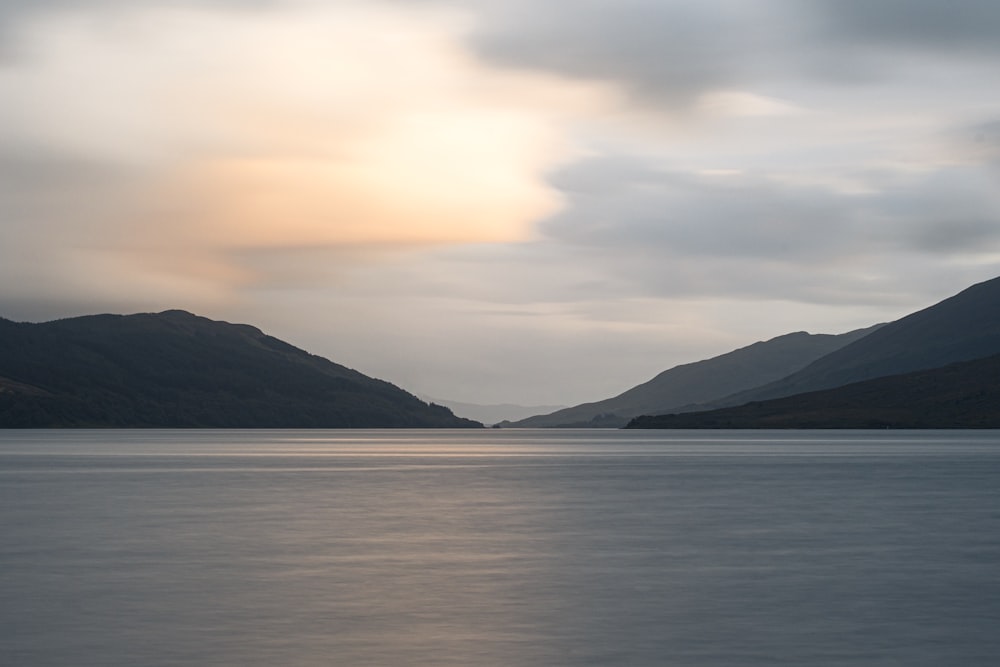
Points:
x=351 y=126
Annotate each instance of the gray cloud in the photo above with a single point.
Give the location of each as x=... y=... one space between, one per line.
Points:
x=666 y=52
x=962 y=26
x=685 y=214
x=670 y=234
x=951 y=211
x=661 y=51
x=859 y=41
x=40 y=173
x=45 y=196
x=979 y=142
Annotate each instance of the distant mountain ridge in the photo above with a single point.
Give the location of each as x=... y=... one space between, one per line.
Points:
x=176 y=369
x=936 y=368
x=702 y=381
x=492 y=414
x=963 y=327
x=961 y=395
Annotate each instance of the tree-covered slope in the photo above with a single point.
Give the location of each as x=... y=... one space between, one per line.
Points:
x=960 y=395
x=175 y=369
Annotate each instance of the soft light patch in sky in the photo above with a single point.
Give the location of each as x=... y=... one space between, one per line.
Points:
x=741 y=103
x=354 y=126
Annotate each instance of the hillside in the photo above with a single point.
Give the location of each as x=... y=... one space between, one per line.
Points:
x=960 y=395
x=701 y=381
x=492 y=414
x=960 y=328
x=175 y=369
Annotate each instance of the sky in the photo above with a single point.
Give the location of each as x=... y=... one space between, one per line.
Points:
x=489 y=201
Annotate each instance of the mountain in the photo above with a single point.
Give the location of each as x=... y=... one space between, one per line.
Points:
x=960 y=395
x=175 y=369
x=492 y=414
x=960 y=328
x=701 y=381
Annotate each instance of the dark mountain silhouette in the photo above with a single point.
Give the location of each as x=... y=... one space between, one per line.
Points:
x=175 y=369
x=701 y=381
x=960 y=395
x=960 y=328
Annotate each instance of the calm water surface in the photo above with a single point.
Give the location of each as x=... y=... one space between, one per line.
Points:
x=499 y=548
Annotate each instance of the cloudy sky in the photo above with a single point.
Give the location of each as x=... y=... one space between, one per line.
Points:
x=531 y=201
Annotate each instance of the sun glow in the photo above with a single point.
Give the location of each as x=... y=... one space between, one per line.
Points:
x=363 y=125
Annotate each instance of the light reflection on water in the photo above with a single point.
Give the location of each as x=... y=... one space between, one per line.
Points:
x=481 y=548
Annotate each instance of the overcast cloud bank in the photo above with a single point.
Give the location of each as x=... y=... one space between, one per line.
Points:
x=486 y=201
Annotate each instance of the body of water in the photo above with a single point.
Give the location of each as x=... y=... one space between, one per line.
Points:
x=499 y=548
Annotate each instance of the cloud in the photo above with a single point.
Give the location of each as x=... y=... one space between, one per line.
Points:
x=439 y=192
x=663 y=52
x=978 y=142
x=696 y=215
x=15 y=15
x=667 y=234
x=179 y=146
x=958 y=27
x=13 y=11
x=668 y=54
